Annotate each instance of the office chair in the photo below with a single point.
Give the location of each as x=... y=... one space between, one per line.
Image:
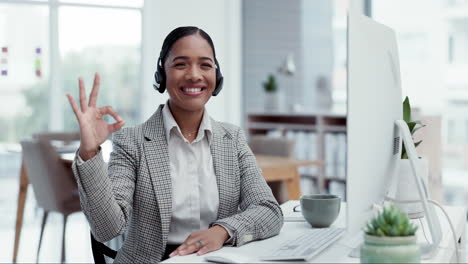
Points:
x=53 y=183
x=100 y=250
x=273 y=146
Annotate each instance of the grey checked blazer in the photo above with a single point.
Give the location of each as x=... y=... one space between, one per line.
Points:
x=133 y=194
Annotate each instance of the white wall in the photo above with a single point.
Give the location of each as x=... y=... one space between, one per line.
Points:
x=221 y=19
x=272 y=29
x=317 y=50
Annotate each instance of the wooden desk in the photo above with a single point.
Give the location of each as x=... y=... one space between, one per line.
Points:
x=286 y=170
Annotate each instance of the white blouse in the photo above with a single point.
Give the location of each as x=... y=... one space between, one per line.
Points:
x=195 y=197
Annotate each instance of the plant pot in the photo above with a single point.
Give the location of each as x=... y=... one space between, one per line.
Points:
x=407 y=189
x=390 y=250
x=272 y=102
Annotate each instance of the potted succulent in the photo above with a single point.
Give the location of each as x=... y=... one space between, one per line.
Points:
x=407 y=189
x=390 y=238
x=271 y=96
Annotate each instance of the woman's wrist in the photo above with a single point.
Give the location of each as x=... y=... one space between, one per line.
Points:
x=222 y=231
x=88 y=154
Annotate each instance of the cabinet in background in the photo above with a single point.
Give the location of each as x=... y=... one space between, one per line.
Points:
x=322 y=124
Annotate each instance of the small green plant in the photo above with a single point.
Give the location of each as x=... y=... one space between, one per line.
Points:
x=391 y=222
x=412 y=125
x=270 y=84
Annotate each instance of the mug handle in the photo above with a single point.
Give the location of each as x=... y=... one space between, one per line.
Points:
x=295 y=208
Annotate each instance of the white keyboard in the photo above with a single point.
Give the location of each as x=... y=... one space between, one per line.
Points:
x=306 y=245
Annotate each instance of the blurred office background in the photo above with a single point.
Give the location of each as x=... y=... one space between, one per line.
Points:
x=46 y=45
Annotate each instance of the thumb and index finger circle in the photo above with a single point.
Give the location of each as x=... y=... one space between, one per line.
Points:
x=108 y=110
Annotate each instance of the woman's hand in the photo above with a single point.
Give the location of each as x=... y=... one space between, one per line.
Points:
x=94 y=130
x=203 y=241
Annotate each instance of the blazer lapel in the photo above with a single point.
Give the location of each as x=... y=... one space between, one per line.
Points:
x=221 y=143
x=157 y=159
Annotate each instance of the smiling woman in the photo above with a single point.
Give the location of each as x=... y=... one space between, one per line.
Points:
x=181 y=182
x=192 y=75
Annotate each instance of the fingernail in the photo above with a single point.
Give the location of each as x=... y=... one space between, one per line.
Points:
x=172 y=254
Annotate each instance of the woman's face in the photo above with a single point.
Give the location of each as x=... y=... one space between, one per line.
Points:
x=190 y=73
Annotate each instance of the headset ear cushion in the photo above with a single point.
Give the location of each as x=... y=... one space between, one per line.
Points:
x=160 y=85
x=219 y=80
x=219 y=86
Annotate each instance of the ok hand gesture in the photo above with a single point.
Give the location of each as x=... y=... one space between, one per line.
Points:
x=94 y=130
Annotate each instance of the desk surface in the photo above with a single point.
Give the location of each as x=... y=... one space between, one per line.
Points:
x=337 y=253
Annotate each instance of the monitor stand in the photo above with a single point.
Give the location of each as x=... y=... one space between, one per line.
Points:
x=430 y=248
x=356 y=252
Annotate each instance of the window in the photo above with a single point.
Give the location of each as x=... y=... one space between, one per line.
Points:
x=24 y=69
x=432 y=38
x=103 y=36
x=108 y=42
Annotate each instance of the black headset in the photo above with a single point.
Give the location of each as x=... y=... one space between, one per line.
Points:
x=160 y=78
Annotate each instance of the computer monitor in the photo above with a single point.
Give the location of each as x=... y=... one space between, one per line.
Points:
x=374 y=125
x=374 y=104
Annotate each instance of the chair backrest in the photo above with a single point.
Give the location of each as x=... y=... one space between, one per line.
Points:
x=272 y=146
x=52 y=181
x=100 y=250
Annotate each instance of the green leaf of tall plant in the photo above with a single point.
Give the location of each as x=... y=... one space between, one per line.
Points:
x=417 y=143
x=404 y=154
x=406 y=110
x=411 y=126
x=419 y=127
